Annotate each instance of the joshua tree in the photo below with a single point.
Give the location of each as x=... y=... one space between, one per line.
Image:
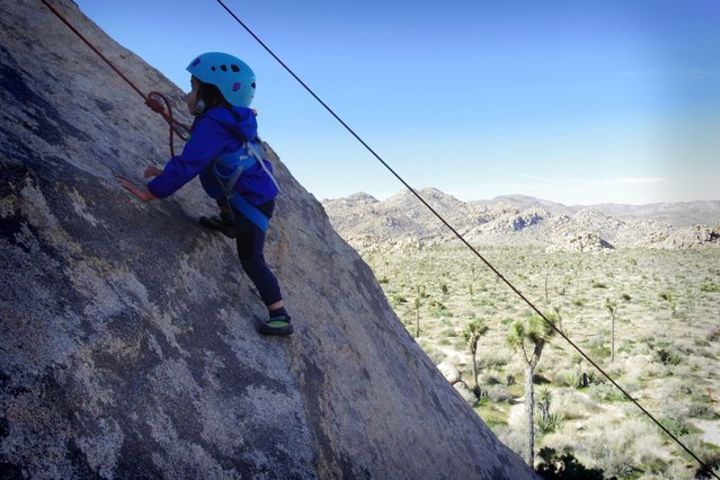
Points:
x=612 y=308
x=528 y=338
x=558 y=318
x=472 y=334
x=547 y=421
x=417 y=317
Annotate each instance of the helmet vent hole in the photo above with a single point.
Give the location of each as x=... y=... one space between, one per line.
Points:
x=234 y=68
x=213 y=68
x=253 y=85
x=223 y=68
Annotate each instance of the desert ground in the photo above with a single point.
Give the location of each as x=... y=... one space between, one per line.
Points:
x=667 y=345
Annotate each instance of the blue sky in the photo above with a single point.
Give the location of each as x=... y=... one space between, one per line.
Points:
x=573 y=101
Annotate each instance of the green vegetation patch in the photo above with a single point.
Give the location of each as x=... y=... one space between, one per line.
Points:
x=604 y=392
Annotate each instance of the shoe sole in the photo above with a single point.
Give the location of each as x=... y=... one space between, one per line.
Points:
x=270 y=331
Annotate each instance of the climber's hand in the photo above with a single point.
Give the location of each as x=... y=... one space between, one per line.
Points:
x=152 y=171
x=142 y=193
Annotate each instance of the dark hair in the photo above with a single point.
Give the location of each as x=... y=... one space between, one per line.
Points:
x=211 y=95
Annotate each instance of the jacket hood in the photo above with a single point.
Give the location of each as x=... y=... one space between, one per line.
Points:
x=240 y=121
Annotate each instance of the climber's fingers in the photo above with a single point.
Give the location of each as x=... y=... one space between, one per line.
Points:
x=141 y=193
x=152 y=171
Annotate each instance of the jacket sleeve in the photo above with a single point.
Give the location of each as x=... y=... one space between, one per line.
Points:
x=204 y=145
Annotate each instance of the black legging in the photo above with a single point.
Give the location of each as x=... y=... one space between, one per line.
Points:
x=250 y=244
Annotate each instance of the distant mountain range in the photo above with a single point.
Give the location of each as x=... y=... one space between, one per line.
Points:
x=401 y=219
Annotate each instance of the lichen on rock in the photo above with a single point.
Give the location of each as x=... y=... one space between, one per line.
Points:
x=129 y=347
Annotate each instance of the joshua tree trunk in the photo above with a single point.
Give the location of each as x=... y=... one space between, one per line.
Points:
x=612 y=309
x=417 y=323
x=535 y=331
x=529 y=410
x=476 y=387
x=612 y=341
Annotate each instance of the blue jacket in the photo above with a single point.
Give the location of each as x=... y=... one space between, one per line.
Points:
x=217 y=131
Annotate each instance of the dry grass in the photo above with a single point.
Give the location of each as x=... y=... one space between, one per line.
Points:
x=667 y=342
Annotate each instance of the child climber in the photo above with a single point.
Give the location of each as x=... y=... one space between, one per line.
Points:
x=223 y=150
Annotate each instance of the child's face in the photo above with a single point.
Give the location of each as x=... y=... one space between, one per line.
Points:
x=192 y=97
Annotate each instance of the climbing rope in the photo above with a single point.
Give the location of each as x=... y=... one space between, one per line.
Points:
x=705 y=467
x=175 y=127
x=181 y=130
x=161 y=106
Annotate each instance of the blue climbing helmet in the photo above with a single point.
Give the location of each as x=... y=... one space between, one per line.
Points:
x=232 y=76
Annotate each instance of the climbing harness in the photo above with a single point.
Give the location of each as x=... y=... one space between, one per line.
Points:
x=705 y=467
x=227 y=169
x=153 y=103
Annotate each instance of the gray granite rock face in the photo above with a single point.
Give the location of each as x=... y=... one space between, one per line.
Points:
x=128 y=346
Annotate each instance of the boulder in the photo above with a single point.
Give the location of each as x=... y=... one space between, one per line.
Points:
x=465 y=392
x=449 y=371
x=129 y=347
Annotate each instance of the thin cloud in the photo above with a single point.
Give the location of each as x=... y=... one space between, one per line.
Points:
x=693 y=73
x=595 y=181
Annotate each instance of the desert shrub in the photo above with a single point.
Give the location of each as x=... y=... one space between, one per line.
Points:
x=656 y=467
x=604 y=392
x=599 y=352
x=565 y=467
x=675 y=425
x=496 y=393
x=514 y=438
x=397 y=299
x=565 y=378
x=710 y=287
x=626 y=346
x=489 y=379
x=620 y=447
x=549 y=423
x=708 y=453
x=668 y=357
x=492 y=361
x=575 y=406
x=384 y=280
x=702 y=410
x=713 y=334
x=449 y=332
x=597 y=284
x=437 y=305
x=667 y=296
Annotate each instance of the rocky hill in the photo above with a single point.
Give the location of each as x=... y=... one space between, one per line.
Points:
x=129 y=348
x=520 y=220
